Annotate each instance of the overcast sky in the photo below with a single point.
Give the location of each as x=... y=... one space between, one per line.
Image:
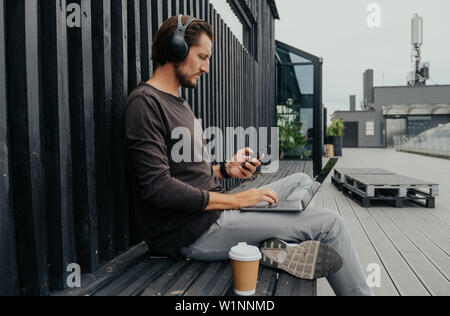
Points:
x=337 y=30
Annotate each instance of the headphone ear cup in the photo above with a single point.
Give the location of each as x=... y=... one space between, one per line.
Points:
x=177 y=49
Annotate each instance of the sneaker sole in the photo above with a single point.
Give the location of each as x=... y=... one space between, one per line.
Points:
x=309 y=260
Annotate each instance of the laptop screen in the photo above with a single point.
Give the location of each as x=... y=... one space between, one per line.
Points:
x=326 y=171
x=312 y=191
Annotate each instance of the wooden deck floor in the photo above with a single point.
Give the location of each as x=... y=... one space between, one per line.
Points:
x=410 y=245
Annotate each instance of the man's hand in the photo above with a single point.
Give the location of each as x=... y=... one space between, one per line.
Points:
x=255 y=196
x=237 y=201
x=235 y=168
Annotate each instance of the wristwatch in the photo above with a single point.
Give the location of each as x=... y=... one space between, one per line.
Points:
x=223 y=170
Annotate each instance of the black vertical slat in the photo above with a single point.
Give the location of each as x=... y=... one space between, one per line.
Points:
x=218 y=81
x=81 y=101
x=190 y=92
x=175 y=7
x=215 y=88
x=184 y=11
x=124 y=222
x=227 y=107
x=168 y=8
x=198 y=91
x=58 y=159
x=146 y=40
x=219 y=90
x=317 y=142
x=157 y=18
x=150 y=35
x=234 y=95
x=198 y=6
x=102 y=72
x=25 y=114
x=205 y=92
x=9 y=279
x=134 y=45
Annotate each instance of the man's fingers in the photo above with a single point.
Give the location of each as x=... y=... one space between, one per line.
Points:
x=269 y=200
x=272 y=194
x=248 y=151
x=250 y=167
x=247 y=174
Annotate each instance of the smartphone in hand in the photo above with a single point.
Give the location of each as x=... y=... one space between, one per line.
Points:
x=258 y=156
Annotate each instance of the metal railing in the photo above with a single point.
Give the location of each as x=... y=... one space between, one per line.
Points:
x=436 y=141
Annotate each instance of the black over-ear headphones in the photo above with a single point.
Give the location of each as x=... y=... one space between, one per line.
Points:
x=176 y=47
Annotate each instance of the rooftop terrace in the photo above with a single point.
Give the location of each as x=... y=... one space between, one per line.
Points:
x=411 y=245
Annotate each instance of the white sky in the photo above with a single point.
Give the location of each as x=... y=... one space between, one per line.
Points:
x=337 y=30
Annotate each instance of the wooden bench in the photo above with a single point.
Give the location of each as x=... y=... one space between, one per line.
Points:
x=136 y=273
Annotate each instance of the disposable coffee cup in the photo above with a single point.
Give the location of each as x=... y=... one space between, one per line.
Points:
x=245 y=266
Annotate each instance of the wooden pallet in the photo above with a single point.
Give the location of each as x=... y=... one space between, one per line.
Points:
x=339 y=174
x=367 y=186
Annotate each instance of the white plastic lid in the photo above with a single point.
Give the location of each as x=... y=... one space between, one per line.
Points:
x=244 y=252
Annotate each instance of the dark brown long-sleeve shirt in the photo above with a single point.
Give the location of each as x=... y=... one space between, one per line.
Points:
x=168 y=196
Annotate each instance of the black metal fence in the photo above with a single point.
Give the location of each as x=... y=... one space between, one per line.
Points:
x=63 y=190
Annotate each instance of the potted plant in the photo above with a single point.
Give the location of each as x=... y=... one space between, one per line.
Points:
x=335 y=136
x=293 y=144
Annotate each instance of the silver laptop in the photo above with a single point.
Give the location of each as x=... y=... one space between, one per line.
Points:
x=296 y=205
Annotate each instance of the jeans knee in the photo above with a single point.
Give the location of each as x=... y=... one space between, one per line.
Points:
x=333 y=224
x=301 y=178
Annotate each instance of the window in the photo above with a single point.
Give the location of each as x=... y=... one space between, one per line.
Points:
x=370 y=128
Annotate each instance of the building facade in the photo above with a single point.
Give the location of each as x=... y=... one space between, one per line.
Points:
x=392 y=112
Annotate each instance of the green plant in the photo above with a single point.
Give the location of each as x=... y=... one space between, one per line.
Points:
x=336 y=128
x=291 y=136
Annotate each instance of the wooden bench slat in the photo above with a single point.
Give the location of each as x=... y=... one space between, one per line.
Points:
x=215 y=281
x=290 y=286
x=175 y=280
x=124 y=280
x=92 y=282
x=139 y=285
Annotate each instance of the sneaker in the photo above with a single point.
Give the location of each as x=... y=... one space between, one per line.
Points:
x=309 y=260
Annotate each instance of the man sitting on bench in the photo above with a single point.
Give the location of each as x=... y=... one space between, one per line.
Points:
x=181 y=209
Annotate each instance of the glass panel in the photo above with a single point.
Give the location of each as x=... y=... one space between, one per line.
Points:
x=295 y=111
x=287 y=57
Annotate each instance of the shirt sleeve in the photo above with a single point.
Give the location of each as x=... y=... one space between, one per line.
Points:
x=146 y=137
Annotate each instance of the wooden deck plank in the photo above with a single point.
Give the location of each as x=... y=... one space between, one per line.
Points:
x=363 y=244
x=430 y=250
x=401 y=274
x=431 y=225
x=431 y=277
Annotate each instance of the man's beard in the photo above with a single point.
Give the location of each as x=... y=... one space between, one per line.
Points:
x=185 y=81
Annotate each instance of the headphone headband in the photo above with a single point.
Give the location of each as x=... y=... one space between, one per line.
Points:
x=176 y=47
x=182 y=27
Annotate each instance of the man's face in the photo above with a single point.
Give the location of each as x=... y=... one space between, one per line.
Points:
x=196 y=63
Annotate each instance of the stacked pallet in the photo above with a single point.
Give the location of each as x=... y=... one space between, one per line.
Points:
x=369 y=185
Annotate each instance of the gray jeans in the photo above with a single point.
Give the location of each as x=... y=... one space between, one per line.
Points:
x=317 y=224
